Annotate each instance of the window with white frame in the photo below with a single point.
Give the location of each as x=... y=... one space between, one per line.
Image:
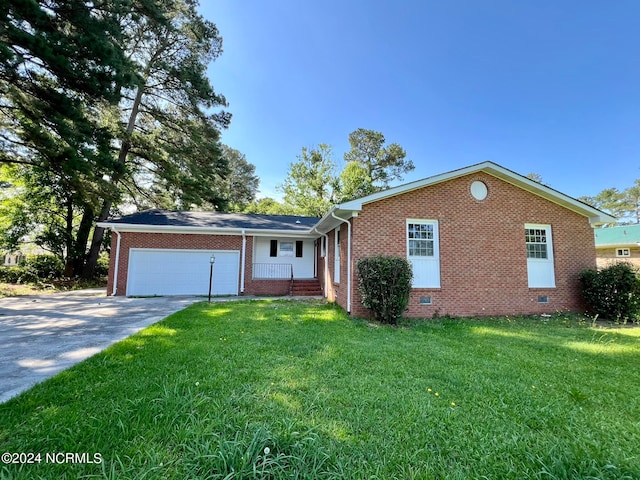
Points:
x=420 y=236
x=423 y=252
x=536 y=239
x=286 y=249
x=623 y=252
x=540 y=265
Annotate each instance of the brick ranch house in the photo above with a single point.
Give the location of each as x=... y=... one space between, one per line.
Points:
x=482 y=240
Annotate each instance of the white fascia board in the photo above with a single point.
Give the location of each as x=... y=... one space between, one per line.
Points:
x=618 y=245
x=329 y=222
x=129 y=227
x=595 y=216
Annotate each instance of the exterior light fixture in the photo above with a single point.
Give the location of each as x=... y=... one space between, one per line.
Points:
x=212 y=260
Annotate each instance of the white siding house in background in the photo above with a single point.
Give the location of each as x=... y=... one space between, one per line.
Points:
x=13 y=258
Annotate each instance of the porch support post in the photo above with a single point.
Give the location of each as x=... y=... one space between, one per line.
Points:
x=326 y=260
x=348 y=260
x=243 y=261
x=116 y=264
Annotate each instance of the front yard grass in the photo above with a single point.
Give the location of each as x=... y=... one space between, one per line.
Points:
x=280 y=389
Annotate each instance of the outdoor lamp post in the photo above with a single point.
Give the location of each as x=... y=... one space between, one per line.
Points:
x=212 y=260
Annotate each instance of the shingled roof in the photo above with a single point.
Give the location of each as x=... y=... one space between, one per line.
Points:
x=213 y=220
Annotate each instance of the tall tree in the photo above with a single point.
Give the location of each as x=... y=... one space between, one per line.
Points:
x=166 y=136
x=105 y=97
x=536 y=177
x=610 y=200
x=59 y=65
x=383 y=164
x=632 y=201
x=269 y=206
x=310 y=185
x=241 y=184
x=354 y=182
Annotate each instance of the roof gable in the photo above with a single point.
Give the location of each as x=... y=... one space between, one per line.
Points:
x=348 y=209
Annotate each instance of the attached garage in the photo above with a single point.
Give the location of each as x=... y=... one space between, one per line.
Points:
x=182 y=272
x=163 y=252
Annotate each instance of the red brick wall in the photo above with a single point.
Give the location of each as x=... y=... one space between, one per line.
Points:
x=192 y=241
x=483 y=264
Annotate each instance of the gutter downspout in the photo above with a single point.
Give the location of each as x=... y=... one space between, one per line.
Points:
x=244 y=257
x=348 y=260
x=117 y=264
x=326 y=259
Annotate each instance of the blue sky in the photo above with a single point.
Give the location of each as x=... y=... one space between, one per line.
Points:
x=545 y=86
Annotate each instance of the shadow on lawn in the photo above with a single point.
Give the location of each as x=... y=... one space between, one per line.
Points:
x=265 y=389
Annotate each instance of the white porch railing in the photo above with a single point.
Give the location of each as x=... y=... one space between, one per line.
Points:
x=273 y=271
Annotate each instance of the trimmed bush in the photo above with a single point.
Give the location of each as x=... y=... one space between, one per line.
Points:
x=613 y=292
x=385 y=285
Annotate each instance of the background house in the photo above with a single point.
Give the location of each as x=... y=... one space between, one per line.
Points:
x=16 y=257
x=617 y=244
x=482 y=240
x=12 y=258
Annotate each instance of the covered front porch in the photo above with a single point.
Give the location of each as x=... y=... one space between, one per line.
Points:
x=285 y=266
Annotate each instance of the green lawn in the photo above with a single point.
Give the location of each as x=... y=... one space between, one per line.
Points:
x=279 y=389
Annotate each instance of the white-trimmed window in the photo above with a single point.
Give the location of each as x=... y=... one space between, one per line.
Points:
x=623 y=252
x=286 y=249
x=540 y=266
x=536 y=239
x=423 y=252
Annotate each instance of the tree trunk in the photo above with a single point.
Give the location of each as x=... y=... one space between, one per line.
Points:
x=98 y=232
x=96 y=242
x=68 y=263
x=82 y=238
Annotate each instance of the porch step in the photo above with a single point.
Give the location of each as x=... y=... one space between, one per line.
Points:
x=306 y=288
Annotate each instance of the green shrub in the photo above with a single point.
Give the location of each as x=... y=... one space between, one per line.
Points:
x=385 y=285
x=613 y=292
x=18 y=274
x=45 y=267
x=102 y=267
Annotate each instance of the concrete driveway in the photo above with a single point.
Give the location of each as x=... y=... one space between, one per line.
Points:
x=45 y=334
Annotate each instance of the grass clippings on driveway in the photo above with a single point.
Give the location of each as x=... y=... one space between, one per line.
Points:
x=278 y=389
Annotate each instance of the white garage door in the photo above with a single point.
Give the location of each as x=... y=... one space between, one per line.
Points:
x=182 y=272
